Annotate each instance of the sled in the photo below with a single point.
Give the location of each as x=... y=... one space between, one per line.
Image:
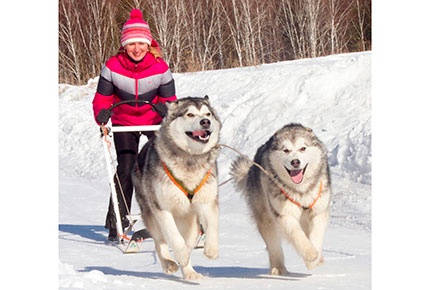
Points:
x=124 y=243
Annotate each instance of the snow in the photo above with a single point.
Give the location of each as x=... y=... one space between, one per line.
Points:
x=332 y=95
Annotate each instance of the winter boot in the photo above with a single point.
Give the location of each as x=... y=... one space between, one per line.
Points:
x=141 y=235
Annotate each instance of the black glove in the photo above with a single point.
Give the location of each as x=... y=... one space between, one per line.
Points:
x=103 y=116
x=160 y=108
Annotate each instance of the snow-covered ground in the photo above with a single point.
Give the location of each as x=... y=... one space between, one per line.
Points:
x=332 y=95
x=53 y=240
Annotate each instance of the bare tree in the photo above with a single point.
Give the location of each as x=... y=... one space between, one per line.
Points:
x=234 y=22
x=207 y=34
x=339 y=12
x=208 y=18
x=68 y=60
x=293 y=18
x=168 y=28
x=313 y=10
x=362 y=25
x=87 y=37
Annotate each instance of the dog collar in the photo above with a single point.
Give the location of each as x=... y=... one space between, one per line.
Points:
x=188 y=193
x=298 y=204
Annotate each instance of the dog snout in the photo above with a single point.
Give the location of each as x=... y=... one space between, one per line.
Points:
x=295 y=163
x=205 y=123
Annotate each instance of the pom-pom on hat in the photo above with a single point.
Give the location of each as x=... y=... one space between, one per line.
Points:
x=136 y=29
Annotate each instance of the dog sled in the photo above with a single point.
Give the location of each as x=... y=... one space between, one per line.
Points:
x=125 y=243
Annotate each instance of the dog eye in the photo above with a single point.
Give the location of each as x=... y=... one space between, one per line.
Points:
x=303 y=149
x=190 y=115
x=208 y=114
x=287 y=151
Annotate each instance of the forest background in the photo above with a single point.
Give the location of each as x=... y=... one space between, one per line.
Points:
x=198 y=35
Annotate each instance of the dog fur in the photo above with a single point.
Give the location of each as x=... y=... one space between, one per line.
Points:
x=296 y=162
x=186 y=145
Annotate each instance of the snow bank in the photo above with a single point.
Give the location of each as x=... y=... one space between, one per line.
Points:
x=331 y=95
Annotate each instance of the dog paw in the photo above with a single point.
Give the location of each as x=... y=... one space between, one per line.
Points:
x=278 y=271
x=211 y=252
x=192 y=275
x=170 y=267
x=182 y=256
x=310 y=255
x=315 y=263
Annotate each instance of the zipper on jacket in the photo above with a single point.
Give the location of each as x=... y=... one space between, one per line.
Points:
x=136 y=87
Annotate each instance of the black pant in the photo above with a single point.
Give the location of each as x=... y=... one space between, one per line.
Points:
x=126 y=146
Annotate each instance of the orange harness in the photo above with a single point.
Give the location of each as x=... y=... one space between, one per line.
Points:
x=188 y=193
x=298 y=204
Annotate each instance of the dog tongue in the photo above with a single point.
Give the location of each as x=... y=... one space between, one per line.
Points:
x=199 y=133
x=296 y=176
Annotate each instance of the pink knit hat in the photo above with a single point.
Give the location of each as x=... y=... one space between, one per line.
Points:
x=136 y=29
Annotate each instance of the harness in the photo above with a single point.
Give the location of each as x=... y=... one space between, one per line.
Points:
x=298 y=204
x=188 y=193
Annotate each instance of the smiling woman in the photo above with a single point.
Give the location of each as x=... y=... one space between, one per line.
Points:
x=136 y=36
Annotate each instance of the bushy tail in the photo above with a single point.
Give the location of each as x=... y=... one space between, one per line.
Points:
x=239 y=170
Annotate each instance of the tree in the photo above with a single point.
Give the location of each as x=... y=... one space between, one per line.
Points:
x=87 y=36
x=362 y=25
x=339 y=14
x=211 y=34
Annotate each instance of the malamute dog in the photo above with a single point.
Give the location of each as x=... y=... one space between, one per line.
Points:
x=175 y=179
x=291 y=199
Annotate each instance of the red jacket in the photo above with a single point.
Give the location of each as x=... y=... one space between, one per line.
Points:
x=122 y=79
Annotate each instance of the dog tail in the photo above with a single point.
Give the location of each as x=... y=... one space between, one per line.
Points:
x=239 y=171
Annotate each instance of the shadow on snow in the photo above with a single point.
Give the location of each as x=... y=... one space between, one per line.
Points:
x=90 y=232
x=97 y=234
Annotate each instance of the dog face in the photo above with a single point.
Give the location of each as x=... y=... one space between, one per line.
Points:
x=296 y=158
x=194 y=125
x=296 y=152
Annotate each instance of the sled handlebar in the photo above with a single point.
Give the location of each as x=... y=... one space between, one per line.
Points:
x=134 y=128
x=143 y=128
x=159 y=108
x=129 y=102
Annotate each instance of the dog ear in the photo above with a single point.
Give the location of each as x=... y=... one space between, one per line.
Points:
x=206 y=97
x=169 y=104
x=274 y=142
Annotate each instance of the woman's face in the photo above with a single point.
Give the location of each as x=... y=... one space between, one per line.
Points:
x=136 y=50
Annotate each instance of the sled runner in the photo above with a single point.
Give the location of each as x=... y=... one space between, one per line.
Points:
x=124 y=243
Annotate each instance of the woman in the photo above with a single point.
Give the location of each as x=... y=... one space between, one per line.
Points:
x=136 y=72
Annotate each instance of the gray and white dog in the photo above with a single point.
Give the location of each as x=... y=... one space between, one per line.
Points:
x=291 y=198
x=176 y=185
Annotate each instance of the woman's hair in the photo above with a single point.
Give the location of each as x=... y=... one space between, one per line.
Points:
x=155 y=51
